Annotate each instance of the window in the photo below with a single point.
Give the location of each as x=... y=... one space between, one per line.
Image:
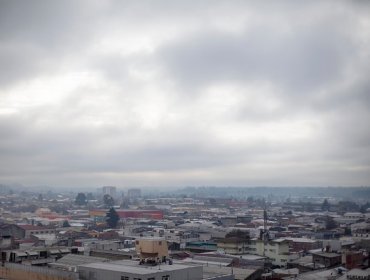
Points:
x=166 y=277
x=137 y=278
x=151 y=278
x=125 y=278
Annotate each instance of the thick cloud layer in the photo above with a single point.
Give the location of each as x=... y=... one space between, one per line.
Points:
x=175 y=93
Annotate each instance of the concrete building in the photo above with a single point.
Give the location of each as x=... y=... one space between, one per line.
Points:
x=15 y=271
x=131 y=270
x=134 y=193
x=360 y=229
x=11 y=230
x=177 y=239
x=28 y=230
x=154 y=249
x=201 y=246
x=110 y=190
x=303 y=244
x=233 y=245
x=327 y=259
x=70 y=262
x=353 y=259
x=23 y=231
x=350 y=218
x=276 y=250
x=35 y=256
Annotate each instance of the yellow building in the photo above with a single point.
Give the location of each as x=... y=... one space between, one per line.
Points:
x=233 y=245
x=152 y=249
x=276 y=250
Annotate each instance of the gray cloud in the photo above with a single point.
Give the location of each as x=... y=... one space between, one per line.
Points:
x=170 y=93
x=301 y=61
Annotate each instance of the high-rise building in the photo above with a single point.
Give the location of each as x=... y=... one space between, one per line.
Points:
x=110 y=190
x=134 y=193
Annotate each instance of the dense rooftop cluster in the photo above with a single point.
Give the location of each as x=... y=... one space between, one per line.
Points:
x=134 y=234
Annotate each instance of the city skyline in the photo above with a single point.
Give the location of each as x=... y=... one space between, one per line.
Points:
x=184 y=93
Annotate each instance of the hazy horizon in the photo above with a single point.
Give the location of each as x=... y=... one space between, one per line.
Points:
x=93 y=188
x=185 y=93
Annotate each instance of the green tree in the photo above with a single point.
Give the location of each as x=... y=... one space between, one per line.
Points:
x=81 y=199
x=330 y=223
x=364 y=207
x=66 y=224
x=325 y=205
x=108 y=200
x=347 y=231
x=112 y=218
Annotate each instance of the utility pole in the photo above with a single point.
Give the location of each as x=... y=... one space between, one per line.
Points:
x=265 y=235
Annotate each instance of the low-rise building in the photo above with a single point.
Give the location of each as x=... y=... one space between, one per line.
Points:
x=352 y=259
x=326 y=258
x=303 y=244
x=276 y=250
x=233 y=245
x=28 y=230
x=131 y=270
x=155 y=249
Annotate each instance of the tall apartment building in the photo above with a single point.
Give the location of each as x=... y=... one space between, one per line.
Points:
x=134 y=193
x=110 y=190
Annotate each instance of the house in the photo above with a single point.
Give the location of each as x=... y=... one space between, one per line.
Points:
x=28 y=230
x=201 y=246
x=155 y=249
x=233 y=245
x=276 y=250
x=302 y=244
x=327 y=259
x=352 y=259
x=11 y=230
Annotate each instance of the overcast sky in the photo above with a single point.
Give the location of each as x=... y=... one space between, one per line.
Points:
x=178 y=93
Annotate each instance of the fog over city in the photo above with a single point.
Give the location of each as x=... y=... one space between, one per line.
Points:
x=185 y=93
